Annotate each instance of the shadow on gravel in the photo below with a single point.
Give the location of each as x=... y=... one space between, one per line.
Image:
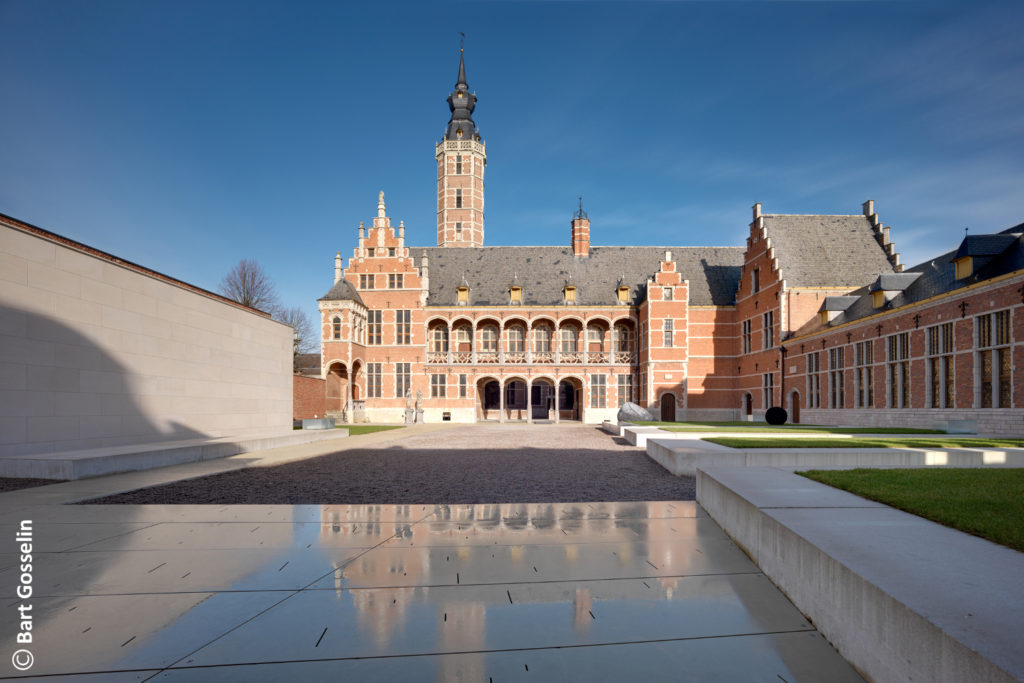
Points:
x=432 y=476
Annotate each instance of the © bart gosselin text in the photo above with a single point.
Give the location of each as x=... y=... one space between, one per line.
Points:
x=22 y=659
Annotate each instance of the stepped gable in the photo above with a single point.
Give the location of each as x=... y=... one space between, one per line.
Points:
x=826 y=251
x=543 y=272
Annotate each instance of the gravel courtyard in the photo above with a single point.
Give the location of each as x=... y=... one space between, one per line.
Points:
x=482 y=463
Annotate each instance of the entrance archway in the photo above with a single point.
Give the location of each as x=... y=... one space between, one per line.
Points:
x=668 y=408
x=794 y=406
x=515 y=400
x=489 y=392
x=542 y=399
x=569 y=394
x=748 y=407
x=336 y=388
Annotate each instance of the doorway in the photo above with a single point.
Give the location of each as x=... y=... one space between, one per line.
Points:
x=540 y=400
x=668 y=408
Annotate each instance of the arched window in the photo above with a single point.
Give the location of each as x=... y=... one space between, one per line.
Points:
x=490 y=338
x=570 y=340
x=516 y=339
x=336 y=327
x=623 y=338
x=542 y=339
x=440 y=340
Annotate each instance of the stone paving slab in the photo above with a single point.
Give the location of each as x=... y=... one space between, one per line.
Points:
x=260 y=592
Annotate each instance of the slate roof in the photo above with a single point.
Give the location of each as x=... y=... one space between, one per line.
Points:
x=938 y=276
x=342 y=291
x=838 y=303
x=985 y=245
x=542 y=272
x=894 y=282
x=824 y=251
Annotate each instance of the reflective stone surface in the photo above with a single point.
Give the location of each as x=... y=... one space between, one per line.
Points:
x=552 y=591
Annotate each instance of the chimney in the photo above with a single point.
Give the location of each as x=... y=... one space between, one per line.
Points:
x=337 y=268
x=580 y=233
x=869 y=207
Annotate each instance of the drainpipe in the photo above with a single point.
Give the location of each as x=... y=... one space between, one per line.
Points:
x=782 y=374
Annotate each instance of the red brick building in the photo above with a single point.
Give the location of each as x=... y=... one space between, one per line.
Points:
x=570 y=333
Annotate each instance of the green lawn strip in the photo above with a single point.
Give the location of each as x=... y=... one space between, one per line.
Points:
x=763 y=427
x=984 y=502
x=938 y=442
x=356 y=430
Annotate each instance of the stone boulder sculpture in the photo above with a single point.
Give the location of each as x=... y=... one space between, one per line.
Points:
x=631 y=412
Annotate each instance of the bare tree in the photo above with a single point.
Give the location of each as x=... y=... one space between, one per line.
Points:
x=305 y=339
x=248 y=284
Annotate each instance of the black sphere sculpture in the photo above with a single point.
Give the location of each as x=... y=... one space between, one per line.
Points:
x=775 y=416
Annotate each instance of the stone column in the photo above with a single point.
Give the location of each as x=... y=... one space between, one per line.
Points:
x=529 y=402
x=501 y=343
x=348 y=397
x=472 y=341
x=450 y=342
x=501 y=401
x=558 y=407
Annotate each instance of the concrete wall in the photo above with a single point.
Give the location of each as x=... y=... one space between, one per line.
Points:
x=98 y=352
x=999 y=421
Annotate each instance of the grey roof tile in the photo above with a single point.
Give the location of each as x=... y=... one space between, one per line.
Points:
x=543 y=272
x=938 y=276
x=894 y=282
x=342 y=291
x=823 y=251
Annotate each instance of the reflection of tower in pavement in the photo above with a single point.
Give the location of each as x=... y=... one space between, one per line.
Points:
x=381 y=612
x=462 y=628
x=404 y=565
x=581 y=614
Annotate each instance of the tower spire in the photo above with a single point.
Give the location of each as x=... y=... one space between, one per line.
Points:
x=461 y=158
x=461 y=102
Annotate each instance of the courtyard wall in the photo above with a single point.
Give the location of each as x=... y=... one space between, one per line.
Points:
x=96 y=351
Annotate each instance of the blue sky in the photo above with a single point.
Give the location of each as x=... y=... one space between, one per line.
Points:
x=187 y=135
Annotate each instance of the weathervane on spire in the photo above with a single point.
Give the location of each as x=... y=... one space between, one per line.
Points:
x=580 y=213
x=462 y=40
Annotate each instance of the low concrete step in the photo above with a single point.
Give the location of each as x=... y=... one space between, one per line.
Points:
x=99 y=461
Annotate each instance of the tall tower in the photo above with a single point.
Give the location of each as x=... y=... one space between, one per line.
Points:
x=461 y=158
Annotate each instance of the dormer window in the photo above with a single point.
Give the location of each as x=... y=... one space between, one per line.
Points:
x=623 y=292
x=964 y=267
x=878 y=299
x=458 y=133
x=570 y=294
x=515 y=295
x=463 y=295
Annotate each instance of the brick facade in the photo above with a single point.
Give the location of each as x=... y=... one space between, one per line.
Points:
x=691 y=333
x=309 y=397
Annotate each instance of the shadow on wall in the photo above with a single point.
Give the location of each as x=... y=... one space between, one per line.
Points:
x=60 y=390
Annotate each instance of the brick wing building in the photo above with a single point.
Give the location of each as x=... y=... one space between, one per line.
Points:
x=570 y=333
